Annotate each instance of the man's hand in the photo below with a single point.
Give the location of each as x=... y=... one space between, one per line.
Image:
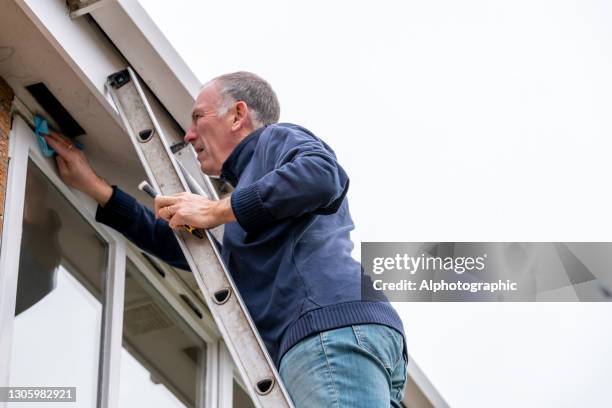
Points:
x=76 y=171
x=193 y=210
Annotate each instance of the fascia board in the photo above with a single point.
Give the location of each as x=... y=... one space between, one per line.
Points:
x=148 y=51
x=426 y=387
x=78 y=8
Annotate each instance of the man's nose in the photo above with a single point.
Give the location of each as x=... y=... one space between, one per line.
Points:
x=189 y=135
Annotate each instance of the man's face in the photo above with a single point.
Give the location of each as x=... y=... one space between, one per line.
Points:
x=210 y=134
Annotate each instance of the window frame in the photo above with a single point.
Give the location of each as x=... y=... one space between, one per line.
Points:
x=23 y=148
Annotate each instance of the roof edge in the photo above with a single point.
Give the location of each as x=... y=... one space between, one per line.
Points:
x=144 y=46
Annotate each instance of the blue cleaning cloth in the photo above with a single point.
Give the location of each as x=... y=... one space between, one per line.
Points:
x=41 y=128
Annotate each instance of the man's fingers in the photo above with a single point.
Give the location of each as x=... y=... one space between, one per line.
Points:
x=61 y=138
x=61 y=164
x=169 y=212
x=175 y=221
x=51 y=141
x=60 y=143
x=165 y=212
x=56 y=137
x=58 y=146
x=162 y=202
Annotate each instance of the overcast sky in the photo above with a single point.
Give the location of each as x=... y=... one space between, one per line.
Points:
x=456 y=121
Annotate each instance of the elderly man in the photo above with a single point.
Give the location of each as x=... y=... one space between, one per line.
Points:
x=286 y=243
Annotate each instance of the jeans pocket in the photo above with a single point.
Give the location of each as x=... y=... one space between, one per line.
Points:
x=383 y=342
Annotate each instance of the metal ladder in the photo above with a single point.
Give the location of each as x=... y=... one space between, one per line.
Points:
x=226 y=306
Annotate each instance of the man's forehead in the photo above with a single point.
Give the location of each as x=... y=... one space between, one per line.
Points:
x=208 y=95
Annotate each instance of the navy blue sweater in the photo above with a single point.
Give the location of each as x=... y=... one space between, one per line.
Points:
x=289 y=252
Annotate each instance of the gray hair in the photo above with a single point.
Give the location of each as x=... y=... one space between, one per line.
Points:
x=252 y=90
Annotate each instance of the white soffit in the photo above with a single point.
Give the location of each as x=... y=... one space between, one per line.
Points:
x=148 y=51
x=77 y=78
x=79 y=44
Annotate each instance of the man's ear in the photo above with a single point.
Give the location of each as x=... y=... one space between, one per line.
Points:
x=241 y=116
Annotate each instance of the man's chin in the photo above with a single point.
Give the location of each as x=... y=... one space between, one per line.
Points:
x=208 y=171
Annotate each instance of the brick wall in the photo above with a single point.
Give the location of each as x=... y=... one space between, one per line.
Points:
x=6 y=99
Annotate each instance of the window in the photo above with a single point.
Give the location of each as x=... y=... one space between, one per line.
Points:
x=59 y=304
x=162 y=359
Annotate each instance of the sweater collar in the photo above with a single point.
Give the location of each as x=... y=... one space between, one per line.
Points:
x=239 y=158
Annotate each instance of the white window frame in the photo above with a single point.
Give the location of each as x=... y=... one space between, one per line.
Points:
x=216 y=377
x=23 y=147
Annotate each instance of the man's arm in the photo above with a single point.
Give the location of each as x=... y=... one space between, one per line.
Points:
x=305 y=177
x=75 y=169
x=117 y=209
x=124 y=214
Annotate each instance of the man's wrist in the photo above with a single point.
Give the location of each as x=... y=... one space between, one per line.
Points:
x=225 y=213
x=102 y=192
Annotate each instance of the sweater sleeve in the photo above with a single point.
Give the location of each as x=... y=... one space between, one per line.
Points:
x=138 y=224
x=304 y=177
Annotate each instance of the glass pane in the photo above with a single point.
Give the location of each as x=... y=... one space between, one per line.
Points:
x=241 y=398
x=58 y=313
x=162 y=359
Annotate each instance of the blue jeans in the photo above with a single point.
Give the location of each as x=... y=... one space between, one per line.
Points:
x=354 y=366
